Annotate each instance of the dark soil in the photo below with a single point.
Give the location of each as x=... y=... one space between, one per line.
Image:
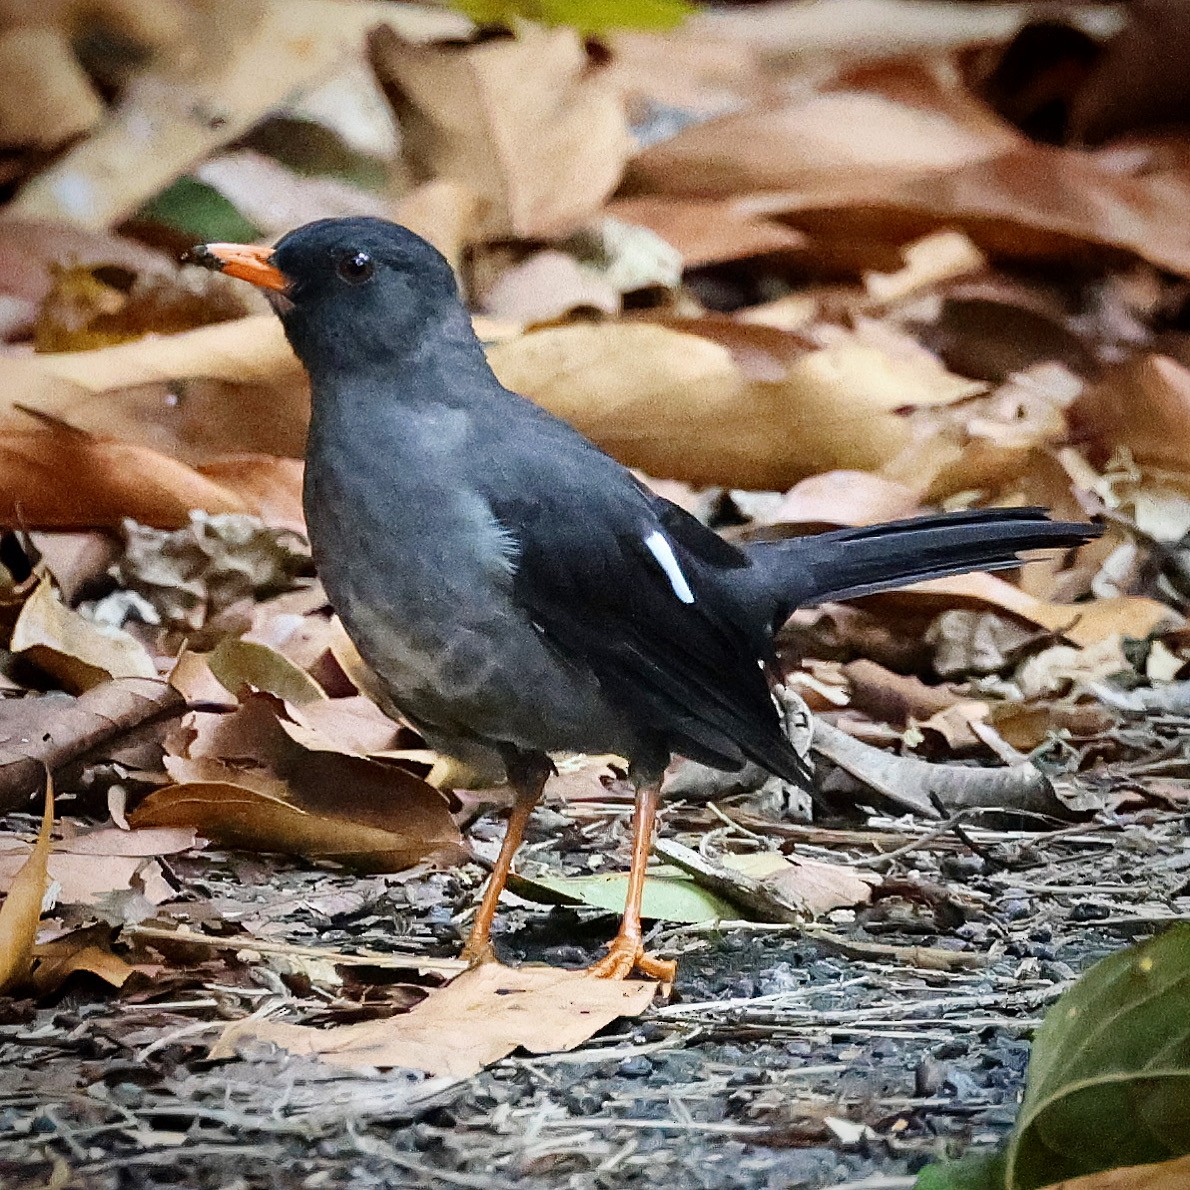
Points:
x=778 y=1062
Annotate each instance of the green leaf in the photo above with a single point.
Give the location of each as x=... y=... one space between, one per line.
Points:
x=976 y=1171
x=669 y=895
x=1109 y=1080
x=198 y=211
x=595 y=16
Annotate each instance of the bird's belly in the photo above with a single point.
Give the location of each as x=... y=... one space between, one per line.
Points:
x=488 y=679
x=429 y=607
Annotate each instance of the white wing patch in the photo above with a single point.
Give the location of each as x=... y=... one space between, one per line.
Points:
x=658 y=545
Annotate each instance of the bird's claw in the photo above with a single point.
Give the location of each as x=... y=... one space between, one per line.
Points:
x=478 y=954
x=626 y=955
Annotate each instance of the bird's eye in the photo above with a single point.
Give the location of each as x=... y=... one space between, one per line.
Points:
x=355 y=267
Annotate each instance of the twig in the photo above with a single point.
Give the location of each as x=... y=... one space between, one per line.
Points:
x=365 y=958
x=930 y=958
x=753 y=895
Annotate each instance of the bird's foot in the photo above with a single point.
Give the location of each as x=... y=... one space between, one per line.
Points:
x=626 y=955
x=478 y=953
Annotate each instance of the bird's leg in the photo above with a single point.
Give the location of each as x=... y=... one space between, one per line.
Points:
x=527 y=775
x=626 y=952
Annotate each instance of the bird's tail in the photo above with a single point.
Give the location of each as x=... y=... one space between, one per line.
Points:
x=846 y=563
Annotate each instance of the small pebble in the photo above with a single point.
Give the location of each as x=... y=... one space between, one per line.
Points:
x=637 y=1066
x=1088 y=911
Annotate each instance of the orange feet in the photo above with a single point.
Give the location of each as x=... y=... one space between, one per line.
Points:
x=477 y=953
x=626 y=955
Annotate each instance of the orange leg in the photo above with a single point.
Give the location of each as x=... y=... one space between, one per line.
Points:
x=626 y=952
x=528 y=780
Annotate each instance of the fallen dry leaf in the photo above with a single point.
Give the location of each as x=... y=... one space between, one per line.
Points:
x=21 y=910
x=679 y=406
x=917 y=784
x=56 y=961
x=480 y=1017
x=236 y=815
x=858 y=29
x=87 y=867
x=706 y=231
x=546 y=286
x=51 y=731
x=78 y=653
x=46 y=97
x=442 y=212
x=237 y=664
x=30 y=250
x=844 y=145
x=239 y=64
x=815 y=886
x=937 y=257
x=1142 y=406
x=900 y=700
x=226 y=389
x=1034 y=203
x=528 y=124
x=244 y=781
x=113 y=480
x=1083 y=623
x=844 y=498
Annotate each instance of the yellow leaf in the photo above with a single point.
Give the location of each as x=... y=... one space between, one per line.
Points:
x=77 y=652
x=21 y=910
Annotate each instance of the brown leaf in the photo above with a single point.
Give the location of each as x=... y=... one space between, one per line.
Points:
x=113 y=480
x=46 y=97
x=546 y=286
x=21 y=910
x=84 y=310
x=52 y=731
x=1138 y=80
x=1142 y=406
x=1083 y=623
x=861 y=29
x=75 y=651
x=815 y=886
x=442 y=212
x=29 y=250
x=679 y=406
x=899 y=699
x=243 y=781
x=87 y=867
x=917 y=785
x=235 y=815
x=844 y=498
x=937 y=257
x=242 y=390
x=56 y=961
x=244 y=663
x=480 y=1017
x=706 y=231
x=842 y=145
x=527 y=123
x=240 y=62
x=1032 y=203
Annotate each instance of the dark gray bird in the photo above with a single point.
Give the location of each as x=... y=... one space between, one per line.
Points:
x=516 y=590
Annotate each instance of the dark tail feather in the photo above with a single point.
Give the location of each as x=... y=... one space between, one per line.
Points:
x=846 y=563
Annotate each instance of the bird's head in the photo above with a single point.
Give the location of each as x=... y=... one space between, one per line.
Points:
x=350 y=292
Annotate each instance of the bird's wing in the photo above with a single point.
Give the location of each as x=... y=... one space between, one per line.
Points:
x=642 y=594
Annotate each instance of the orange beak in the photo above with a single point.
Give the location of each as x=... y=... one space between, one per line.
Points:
x=246 y=261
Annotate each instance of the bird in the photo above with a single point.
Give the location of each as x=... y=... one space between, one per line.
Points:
x=519 y=593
